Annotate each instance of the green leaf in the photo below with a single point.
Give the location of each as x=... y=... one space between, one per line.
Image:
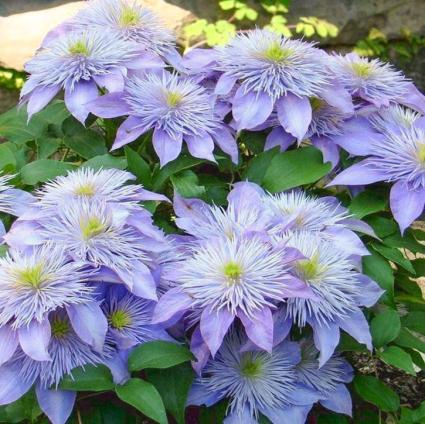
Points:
x=173 y=385
x=414 y=321
x=44 y=170
x=186 y=183
x=106 y=161
x=394 y=255
x=46 y=146
x=24 y=409
x=397 y=357
x=419 y=265
x=383 y=227
x=259 y=164
x=90 y=378
x=377 y=268
x=349 y=344
x=87 y=143
x=144 y=397
x=376 y=392
x=407 y=242
x=332 y=419
x=7 y=157
x=288 y=169
x=158 y=354
x=55 y=113
x=385 y=327
x=407 y=339
x=138 y=166
x=368 y=202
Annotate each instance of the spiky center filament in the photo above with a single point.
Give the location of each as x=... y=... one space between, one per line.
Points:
x=421 y=154
x=173 y=98
x=119 y=319
x=60 y=328
x=308 y=269
x=92 y=227
x=251 y=367
x=79 y=48
x=276 y=53
x=129 y=17
x=316 y=103
x=233 y=272
x=362 y=69
x=85 y=190
x=32 y=276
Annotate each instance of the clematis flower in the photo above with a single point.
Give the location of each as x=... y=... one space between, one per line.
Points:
x=78 y=62
x=275 y=73
x=12 y=201
x=339 y=289
x=328 y=381
x=176 y=108
x=399 y=158
x=376 y=83
x=107 y=185
x=222 y=279
x=255 y=383
x=129 y=21
x=66 y=352
x=129 y=319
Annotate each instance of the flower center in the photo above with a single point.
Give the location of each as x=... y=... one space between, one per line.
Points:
x=32 y=276
x=421 y=154
x=250 y=367
x=85 y=190
x=233 y=272
x=129 y=17
x=60 y=328
x=362 y=69
x=119 y=319
x=276 y=53
x=79 y=48
x=92 y=227
x=173 y=98
x=308 y=269
x=316 y=104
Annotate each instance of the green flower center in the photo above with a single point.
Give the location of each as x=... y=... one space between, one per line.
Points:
x=362 y=69
x=316 y=104
x=85 y=190
x=173 y=98
x=92 y=227
x=308 y=269
x=277 y=53
x=421 y=154
x=232 y=271
x=251 y=367
x=119 y=319
x=60 y=328
x=79 y=48
x=32 y=276
x=129 y=17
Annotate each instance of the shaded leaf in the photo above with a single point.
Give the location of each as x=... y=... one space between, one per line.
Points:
x=44 y=170
x=90 y=378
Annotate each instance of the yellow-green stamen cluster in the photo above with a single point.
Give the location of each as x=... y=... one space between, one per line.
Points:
x=233 y=272
x=250 y=367
x=308 y=269
x=276 y=53
x=32 y=276
x=362 y=69
x=173 y=98
x=85 y=190
x=60 y=328
x=129 y=17
x=421 y=153
x=119 y=319
x=92 y=227
x=79 y=48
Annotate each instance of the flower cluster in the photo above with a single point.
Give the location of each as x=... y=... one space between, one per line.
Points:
x=78 y=284
x=88 y=276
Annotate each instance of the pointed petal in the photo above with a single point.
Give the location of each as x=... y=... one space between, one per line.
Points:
x=200 y=146
x=118 y=367
x=294 y=114
x=113 y=82
x=357 y=326
x=76 y=100
x=406 y=204
x=224 y=85
x=279 y=137
x=140 y=279
x=339 y=401
x=89 y=322
x=240 y=417
x=259 y=328
x=34 y=340
x=290 y=415
x=337 y=96
x=330 y=151
x=128 y=131
x=326 y=339
x=12 y=385
x=56 y=404
x=143 y=194
x=414 y=99
x=21 y=201
x=226 y=141
x=370 y=291
x=40 y=97
x=8 y=343
x=170 y=304
x=109 y=106
x=200 y=349
x=200 y=395
x=166 y=147
x=214 y=326
x=251 y=109
x=361 y=173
